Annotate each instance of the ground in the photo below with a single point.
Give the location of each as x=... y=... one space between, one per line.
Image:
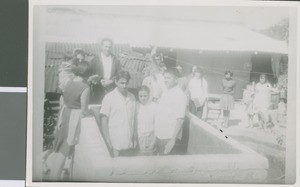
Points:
x=269 y=143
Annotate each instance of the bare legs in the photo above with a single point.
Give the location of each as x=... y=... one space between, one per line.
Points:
x=250 y=120
x=226 y=115
x=57 y=166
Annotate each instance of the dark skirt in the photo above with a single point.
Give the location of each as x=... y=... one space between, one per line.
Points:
x=227 y=102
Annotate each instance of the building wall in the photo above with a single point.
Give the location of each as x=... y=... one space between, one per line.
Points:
x=214 y=64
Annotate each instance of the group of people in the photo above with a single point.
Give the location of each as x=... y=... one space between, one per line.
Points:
x=150 y=122
x=257 y=97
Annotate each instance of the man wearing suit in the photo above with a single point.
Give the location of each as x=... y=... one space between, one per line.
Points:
x=104 y=67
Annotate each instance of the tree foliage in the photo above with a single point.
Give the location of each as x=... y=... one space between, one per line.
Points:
x=279 y=31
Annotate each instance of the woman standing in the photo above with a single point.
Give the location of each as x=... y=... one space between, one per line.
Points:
x=76 y=100
x=227 y=100
x=198 y=92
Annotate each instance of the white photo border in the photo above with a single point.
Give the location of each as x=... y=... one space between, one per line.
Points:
x=292 y=154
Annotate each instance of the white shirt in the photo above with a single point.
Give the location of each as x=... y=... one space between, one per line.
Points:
x=120 y=111
x=171 y=106
x=198 y=89
x=145 y=118
x=262 y=97
x=107 y=65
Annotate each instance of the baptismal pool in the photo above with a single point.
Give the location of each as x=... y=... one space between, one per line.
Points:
x=211 y=157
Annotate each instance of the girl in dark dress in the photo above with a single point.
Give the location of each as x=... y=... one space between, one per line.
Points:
x=227 y=100
x=76 y=100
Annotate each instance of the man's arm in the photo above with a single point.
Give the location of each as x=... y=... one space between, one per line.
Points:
x=135 y=132
x=104 y=122
x=171 y=143
x=104 y=114
x=84 y=100
x=180 y=115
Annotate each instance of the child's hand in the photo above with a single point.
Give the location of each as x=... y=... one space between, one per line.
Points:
x=169 y=146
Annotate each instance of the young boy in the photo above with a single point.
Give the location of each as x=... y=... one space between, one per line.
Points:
x=170 y=114
x=117 y=111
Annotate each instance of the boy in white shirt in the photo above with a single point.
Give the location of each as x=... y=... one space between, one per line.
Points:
x=170 y=113
x=117 y=111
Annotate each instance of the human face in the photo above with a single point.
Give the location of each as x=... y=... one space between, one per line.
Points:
x=198 y=75
x=194 y=68
x=262 y=79
x=80 y=57
x=106 y=48
x=143 y=96
x=228 y=76
x=170 y=80
x=122 y=84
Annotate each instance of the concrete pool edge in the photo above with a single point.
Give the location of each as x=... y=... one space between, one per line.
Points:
x=245 y=167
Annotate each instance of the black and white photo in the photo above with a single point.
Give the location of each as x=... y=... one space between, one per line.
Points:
x=162 y=94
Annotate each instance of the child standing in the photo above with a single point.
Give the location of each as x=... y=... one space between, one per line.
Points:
x=145 y=122
x=227 y=100
x=262 y=100
x=198 y=92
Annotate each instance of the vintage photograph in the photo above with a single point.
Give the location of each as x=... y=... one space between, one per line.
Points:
x=161 y=94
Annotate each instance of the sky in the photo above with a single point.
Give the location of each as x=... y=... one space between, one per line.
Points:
x=254 y=17
x=141 y=25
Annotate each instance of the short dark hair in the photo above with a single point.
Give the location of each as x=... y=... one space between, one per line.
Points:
x=123 y=74
x=144 y=88
x=107 y=39
x=82 y=69
x=199 y=70
x=228 y=72
x=173 y=71
x=78 y=51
